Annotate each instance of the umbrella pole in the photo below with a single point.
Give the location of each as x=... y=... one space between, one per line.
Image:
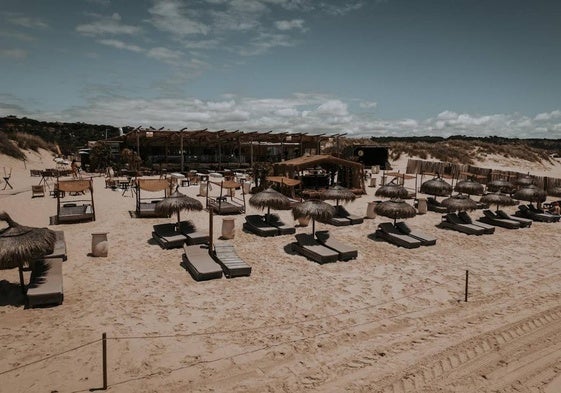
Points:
x=313 y=227
x=210 y=230
x=178 y=221
x=268 y=214
x=21 y=280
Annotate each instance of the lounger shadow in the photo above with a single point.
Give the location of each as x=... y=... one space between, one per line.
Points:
x=345 y=251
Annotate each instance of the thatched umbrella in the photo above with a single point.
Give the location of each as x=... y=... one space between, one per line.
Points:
x=20 y=244
x=459 y=202
x=392 y=191
x=525 y=180
x=501 y=185
x=338 y=193
x=177 y=202
x=530 y=193
x=470 y=187
x=436 y=187
x=270 y=198
x=395 y=208
x=496 y=198
x=315 y=209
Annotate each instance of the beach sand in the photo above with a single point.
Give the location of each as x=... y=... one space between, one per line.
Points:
x=393 y=320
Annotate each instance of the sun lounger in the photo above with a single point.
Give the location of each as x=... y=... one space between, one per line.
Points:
x=284 y=229
x=464 y=216
x=337 y=221
x=199 y=263
x=233 y=266
x=59 y=250
x=256 y=224
x=345 y=251
x=193 y=236
x=424 y=238
x=37 y=191
x=389 y=233
x=435 y=206
x=452 y=221
x=148 y=209
x=555 y=217
x=492 y=219
x=524 y=222
x=167 y=236
x=342 y=212
x=309 y=247
x=525 y=212
x=45 y=285
x=224 y=207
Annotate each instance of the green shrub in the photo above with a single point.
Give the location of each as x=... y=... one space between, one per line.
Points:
x=9 y=147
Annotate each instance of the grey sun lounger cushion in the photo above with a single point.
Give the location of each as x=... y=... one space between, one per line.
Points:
x=426 y=239
x=345 y=251
x=167 y=236
x=389 y=233
x=555 y=217
x=342 y=212
x=452 y=221
x=309 y=247
x=59 y=250
x=337 y=221
x=524 y=211
x=233 y=266
x=193 y=236
x=199 y=263
x=148 y=209
x=45 y=285
x=492 y=219
x=464 y=216
x=256 y=224
x=72 y=213
x=284 y=229
x=524 y=222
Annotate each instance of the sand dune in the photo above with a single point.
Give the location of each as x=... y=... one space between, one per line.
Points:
x=393 y=320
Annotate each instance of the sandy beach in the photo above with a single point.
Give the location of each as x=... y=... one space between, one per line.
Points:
x=393 y=320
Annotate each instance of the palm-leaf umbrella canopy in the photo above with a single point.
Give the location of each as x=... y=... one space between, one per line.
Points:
x=500 y=185
x=20 y=244
x=496 y=198
x=530 y=193
x=525 y=180
x=338 y=193
x=392 y=191
x=470 y=187
x=459 y=202
x=436 y=187
x=315 y=209
x=270 y=199
x=395 y=208
x=177 y=202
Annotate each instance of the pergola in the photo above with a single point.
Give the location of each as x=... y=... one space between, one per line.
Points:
x=351 y=173
x=220 y=147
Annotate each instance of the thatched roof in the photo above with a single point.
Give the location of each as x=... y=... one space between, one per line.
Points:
x=311 y=161
x=270 y=198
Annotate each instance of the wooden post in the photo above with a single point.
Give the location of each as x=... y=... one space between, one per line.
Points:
x=466 y=291
x=210 y=230
x=104 y=356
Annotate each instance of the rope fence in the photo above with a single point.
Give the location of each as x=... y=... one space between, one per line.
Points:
x=456 y=284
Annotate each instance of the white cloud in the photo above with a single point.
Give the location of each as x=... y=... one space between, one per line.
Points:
x=294 y=24
x=121 y=45
x=26 y=21
x=165 y=55
x=172 y=16
x=334 y=108
x=342 y=9
x=368 y=104
x=107 y=26
x=548 y=115
x=13 y=54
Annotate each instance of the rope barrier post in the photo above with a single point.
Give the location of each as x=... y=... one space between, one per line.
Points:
x=104 y=357
x=467 y=281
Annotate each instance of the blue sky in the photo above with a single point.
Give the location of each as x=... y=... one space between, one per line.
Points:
x=370 y=67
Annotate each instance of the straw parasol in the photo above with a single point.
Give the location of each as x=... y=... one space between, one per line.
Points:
x=392 y=191
x=525 y=180
x=270 y=199
x=315 y=209
x=470 y=187
x=395 y=208
x=20 y=244
x=496 y=198
x=530 y=193
x=338 y=193
x=177 y=202
x=436 y=187
x=459 y=202
x=501 y=185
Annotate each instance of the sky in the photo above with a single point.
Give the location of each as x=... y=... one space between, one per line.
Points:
x=360 y=67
